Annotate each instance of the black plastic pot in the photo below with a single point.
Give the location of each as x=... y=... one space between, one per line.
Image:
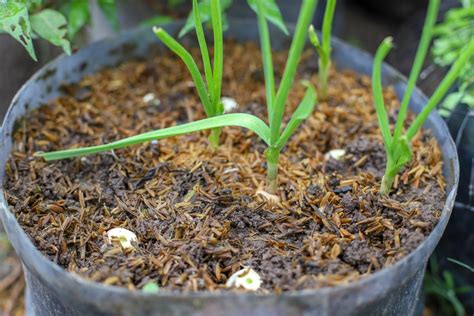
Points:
x=53 y=291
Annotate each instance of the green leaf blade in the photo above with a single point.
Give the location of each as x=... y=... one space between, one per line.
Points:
x=313 y=38
x=327 y=26
x=205 y=15
x=206 y=59
x=272 y=13
x=52 y=26
x=306 y=14
x=462 y=264
x=109 y=9
x=403 y=152
x=303 y=111
x=420 y=56
x=157 y=20
x=216 y=17
x=382 y=116
x=186 y=57
x=248 y=121
x=14 y=20
x=77 y=14
x=442 y=89
x=267 y=59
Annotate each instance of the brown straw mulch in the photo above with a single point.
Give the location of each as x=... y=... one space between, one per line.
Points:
x=201 y=215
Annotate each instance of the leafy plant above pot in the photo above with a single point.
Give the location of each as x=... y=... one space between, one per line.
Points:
x=179 y=214
x=59 y=21
x=26 y=20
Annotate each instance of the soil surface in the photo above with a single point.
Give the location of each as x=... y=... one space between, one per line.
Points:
x=200 y=215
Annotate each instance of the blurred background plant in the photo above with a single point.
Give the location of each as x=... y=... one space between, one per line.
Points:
x=58 y=22
x=443 y=291
x=458 y=107
x=451 y=35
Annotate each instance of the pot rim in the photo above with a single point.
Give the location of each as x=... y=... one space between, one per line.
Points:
x=76 y=280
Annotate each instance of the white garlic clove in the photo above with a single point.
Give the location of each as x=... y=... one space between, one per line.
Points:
x=246 y=279
x=336 y=154
x=229 y=104
x=268 y=196
x=124 y=236
x=150 y=98
x=147 y=98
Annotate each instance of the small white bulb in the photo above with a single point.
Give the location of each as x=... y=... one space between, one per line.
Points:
x=150 y=98
x=246 y=278
x=229 y=104
x=147 y=98
x=335 y=154
x=268 y=197
x=124 y=236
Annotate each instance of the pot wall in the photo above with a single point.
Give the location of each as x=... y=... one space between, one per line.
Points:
x=52 y=291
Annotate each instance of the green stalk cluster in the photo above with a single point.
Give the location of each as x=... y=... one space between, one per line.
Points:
x=276 y=101
x=210 y=96
x=397 y=146
x=272 y=135
x=324 y=47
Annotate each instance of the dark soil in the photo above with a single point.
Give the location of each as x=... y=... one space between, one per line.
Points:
x=199 y=214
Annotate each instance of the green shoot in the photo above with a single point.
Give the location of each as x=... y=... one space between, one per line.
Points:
x=270 y=10
x=420 y=56
x=397 y=146
x=211 y=95
x=324 y=48
x=267 y=60
x=271 y=135
x=276 y=103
